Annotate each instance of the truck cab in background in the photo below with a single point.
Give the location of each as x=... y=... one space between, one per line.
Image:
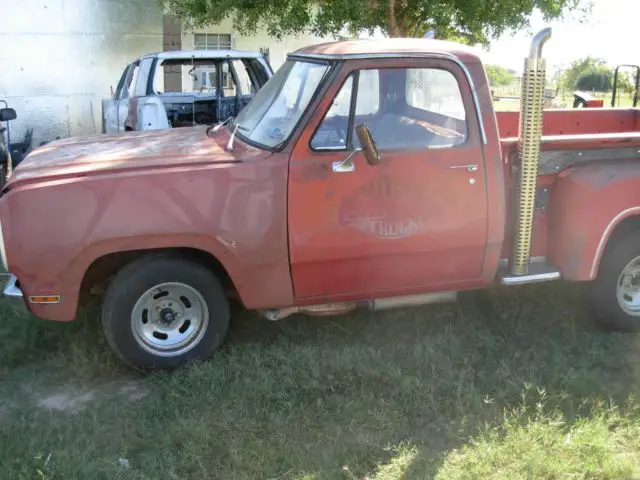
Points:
x=184 y=88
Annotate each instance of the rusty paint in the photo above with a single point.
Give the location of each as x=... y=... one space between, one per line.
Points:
x=311 y=172
x=584 y=201
x=388 y=210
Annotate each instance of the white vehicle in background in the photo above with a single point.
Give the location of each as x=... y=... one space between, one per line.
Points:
x=183 y=89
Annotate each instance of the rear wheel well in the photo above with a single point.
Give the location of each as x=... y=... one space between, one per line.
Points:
x=99 y=274
x=625 y=228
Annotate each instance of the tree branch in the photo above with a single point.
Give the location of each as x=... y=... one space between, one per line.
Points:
x=392 y=23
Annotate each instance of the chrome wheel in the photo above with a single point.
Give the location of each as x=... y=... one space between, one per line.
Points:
x=628 y=289
x=169 y=319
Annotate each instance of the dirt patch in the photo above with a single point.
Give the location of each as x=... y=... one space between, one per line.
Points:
x=69 y=401
x=75 y=398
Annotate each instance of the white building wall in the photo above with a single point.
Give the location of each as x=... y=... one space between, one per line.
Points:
x=278 y=50
x=58 y=59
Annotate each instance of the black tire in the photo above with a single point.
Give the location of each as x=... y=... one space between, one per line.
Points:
x=602 y=294
x=138 y=277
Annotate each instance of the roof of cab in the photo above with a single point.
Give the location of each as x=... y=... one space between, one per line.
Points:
x=200 y=54
x=388 y=47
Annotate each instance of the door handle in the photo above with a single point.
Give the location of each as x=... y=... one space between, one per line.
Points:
x=470 y=168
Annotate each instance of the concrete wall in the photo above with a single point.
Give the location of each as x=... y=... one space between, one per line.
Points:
x=59 y=57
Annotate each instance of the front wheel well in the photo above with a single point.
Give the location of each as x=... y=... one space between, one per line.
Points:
x=99 y=274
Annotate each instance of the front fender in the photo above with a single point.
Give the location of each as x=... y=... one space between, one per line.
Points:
x=587 y=203
x=54 y=231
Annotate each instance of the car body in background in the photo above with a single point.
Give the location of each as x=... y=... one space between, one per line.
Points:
x=184 y=88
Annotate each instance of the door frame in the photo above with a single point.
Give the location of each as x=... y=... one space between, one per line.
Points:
x=300 y=144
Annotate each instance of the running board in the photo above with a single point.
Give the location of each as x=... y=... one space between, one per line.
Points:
x=538 y=272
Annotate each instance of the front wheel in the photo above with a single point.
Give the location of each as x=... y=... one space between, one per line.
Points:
x=615 y=294
x=160 y=312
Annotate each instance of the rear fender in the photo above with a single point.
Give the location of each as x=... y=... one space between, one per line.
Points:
x=587 y=204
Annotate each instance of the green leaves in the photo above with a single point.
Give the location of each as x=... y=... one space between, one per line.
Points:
x=499 y=76
x=472 y=21
x=582 y=67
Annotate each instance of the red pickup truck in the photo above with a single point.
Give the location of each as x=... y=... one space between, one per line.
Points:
x=364 y=174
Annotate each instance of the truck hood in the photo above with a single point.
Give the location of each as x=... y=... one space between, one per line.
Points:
x=131 y=150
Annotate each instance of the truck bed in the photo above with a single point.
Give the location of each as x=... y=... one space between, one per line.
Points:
x=576 y=121
x=570 y=137
x=575 y=136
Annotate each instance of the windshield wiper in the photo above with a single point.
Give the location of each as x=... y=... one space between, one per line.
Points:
x=215 y=128
x=231 y=138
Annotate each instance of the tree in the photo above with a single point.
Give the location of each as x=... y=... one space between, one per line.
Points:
x=499 y=76
x=471 y=21
x=578 y=68
x=598 y=80
x=626 y=81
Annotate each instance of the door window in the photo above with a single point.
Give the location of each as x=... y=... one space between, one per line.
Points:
x=434 y=90
x=186 y=76
x=414 y=108
x=245 y=83
x=333 y=131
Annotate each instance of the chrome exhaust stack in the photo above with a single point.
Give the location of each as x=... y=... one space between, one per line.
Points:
x=529 y=137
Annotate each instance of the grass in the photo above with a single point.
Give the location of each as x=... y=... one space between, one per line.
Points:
x=506 y=384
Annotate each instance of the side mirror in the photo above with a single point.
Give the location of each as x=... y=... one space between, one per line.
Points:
x=7 y=114
x=368 y=145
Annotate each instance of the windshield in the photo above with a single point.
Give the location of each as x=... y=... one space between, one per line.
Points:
x=272 y=115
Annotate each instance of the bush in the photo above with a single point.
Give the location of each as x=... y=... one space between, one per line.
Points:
x=599 y=80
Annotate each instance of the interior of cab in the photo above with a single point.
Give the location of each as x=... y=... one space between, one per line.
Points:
x=403 y=109
x=205 y=90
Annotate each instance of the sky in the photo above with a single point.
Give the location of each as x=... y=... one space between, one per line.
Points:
x=608 y=33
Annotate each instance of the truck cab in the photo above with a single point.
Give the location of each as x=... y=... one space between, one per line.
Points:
x=364 y=174
x=183 y=88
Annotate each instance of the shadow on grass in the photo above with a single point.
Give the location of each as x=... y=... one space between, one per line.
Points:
x=367 y=395
x=78 y=346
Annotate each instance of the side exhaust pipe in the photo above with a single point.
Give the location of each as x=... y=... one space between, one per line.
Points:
x=374 y=304
x=529 y=136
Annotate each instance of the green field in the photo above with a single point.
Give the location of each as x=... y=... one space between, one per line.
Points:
x=509 y=384
x=561 y=101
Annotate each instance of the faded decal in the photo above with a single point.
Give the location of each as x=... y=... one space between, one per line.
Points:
x=386 y=210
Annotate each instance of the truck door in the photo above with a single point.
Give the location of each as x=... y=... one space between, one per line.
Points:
x=417 y=220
